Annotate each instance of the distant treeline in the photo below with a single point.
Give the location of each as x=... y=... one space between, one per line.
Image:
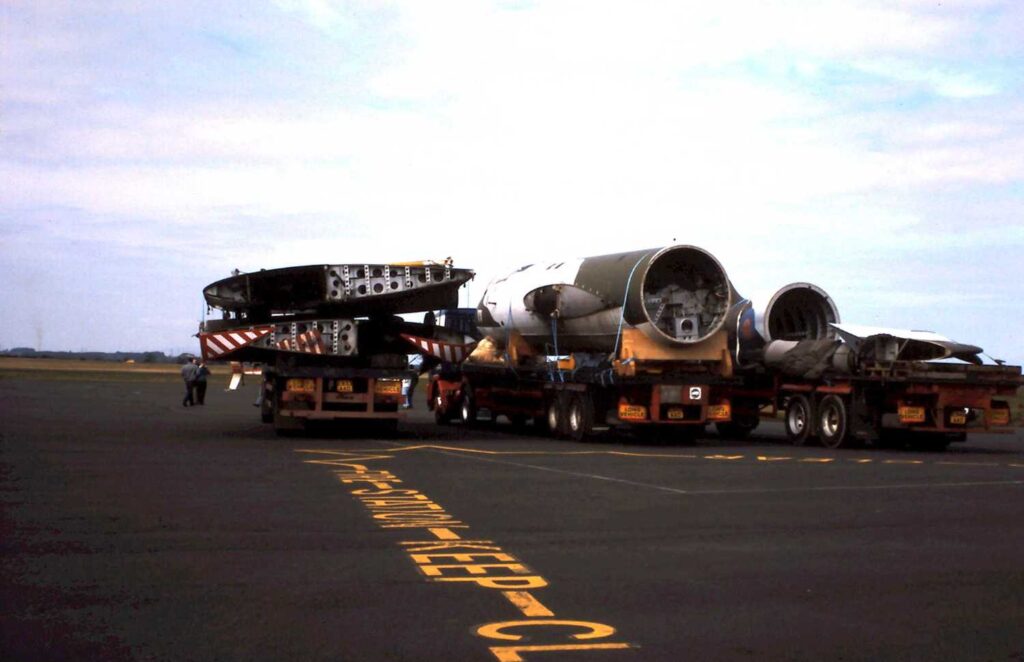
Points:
x=121 y=357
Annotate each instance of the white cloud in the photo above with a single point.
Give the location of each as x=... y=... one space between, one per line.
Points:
x=797 y=142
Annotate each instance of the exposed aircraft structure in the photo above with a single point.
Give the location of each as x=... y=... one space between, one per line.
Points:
x=328 y=335
x=314 y=309
x=656 y=340
x=660 y=339
x=676 y=296
x=904 y=345
x=363 y=288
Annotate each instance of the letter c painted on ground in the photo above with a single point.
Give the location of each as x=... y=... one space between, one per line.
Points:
x=593 y=630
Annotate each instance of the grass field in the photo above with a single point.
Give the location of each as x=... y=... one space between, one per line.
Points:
x=70 y=370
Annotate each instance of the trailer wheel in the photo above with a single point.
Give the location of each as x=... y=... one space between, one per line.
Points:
x=468 y=409
x=580 y=421
x=833 y=422
x=441 y=415
x=799 y=420
x=556 y=415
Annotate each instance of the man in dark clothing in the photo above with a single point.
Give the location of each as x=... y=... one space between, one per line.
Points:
x=201 y=375
x=189 y=372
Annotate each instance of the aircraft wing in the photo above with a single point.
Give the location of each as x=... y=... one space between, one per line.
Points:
x=913 y=345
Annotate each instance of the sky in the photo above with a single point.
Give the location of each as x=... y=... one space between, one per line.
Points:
x=874 y=148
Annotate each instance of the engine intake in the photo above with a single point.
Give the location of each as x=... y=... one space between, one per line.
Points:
x=799 y=311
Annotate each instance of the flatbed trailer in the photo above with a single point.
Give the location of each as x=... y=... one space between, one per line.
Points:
x=928 y=405
x=570 y=403
x=296 y=395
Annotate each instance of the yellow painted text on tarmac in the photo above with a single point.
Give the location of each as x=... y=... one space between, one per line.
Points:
x=443 y=555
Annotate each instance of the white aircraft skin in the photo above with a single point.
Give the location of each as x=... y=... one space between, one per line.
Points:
x=926 y=345
x=584 y=315
x=860 y=331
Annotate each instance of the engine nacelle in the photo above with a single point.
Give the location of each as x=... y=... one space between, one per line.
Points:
x=677 y=296
x=798 y=311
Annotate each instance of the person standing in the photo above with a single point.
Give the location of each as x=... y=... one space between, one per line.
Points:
x=189 y=371
x=201 y=376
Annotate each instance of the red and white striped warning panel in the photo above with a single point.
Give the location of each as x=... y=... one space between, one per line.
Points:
x=216 y=345
x=446 y=351
x=310 y=342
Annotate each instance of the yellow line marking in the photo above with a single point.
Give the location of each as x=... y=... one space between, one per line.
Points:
x=511 y=653
x=445 y=534
x=480 y=451
x=526 y=603
x=725 y=492
x=344 y=457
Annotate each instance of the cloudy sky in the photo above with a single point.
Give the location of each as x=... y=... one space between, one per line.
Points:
x=875 y=148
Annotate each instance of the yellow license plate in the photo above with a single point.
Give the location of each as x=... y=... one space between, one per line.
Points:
x=344 y=386
x=958 y=418
x=632 y=413
x=388 y=388
x=911 y=414
x=301 y=385
x=719 y=412
x=676 y=414
x=999 y=416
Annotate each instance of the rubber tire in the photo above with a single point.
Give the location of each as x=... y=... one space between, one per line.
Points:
x=441 y=416
x=467 y=408
x=579 y=420
x=833 y=419
x=799 y=420
x=556 y=417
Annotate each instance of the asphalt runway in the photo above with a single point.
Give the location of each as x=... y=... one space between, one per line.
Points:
x=135 y=529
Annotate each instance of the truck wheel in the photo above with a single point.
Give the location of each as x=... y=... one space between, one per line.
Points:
x=441 y=415
x=799 y=420
x=468 y=408
x=833 y=422
x=556 y=415
x=580 y=419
